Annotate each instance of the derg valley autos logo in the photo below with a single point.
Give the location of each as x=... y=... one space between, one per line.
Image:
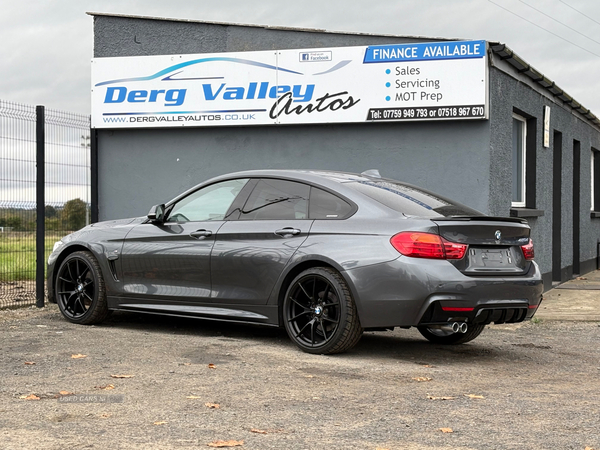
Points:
x=288 y=99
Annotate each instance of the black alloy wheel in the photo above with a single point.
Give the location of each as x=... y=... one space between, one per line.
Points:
x=319 y=313
x=80 y=290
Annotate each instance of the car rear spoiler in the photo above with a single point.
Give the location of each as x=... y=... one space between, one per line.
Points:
x=481 y=218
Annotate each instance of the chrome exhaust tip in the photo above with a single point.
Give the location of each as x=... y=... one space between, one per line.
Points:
x=453 y=327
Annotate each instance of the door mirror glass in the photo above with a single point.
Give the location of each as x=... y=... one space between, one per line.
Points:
x=157 y=214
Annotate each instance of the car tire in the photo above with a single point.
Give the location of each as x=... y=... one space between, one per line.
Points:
x=319 y=313
x=438 y=336
x=79 y=289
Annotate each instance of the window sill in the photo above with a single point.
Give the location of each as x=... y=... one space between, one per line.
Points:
x=527 y=212
x=595 y=214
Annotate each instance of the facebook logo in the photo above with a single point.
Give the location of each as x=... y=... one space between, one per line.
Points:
x=315 y=56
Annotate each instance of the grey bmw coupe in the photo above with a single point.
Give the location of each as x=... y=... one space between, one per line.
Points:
x=324 y=254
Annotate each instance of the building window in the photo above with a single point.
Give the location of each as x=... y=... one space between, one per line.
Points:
x=519 y=160
x=595 y=180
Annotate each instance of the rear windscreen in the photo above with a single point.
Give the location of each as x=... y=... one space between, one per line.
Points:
x=411 y=200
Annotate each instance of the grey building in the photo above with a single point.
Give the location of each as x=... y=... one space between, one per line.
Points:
x=509 y=163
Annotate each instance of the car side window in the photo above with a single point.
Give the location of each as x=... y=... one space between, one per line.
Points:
x=277 y=200
x=325 y=205
x=209 y=203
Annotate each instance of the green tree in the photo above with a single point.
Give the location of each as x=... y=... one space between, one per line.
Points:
x=74 y=214
x=52 y=224
x=50 y=211
x=14 y=222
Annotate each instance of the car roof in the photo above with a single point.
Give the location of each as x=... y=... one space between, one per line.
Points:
x=318 y=176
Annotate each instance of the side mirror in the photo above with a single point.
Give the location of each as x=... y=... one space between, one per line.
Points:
x=157 y=214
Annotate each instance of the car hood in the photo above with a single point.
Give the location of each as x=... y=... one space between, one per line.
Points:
x=97 y=231
x=116 y=223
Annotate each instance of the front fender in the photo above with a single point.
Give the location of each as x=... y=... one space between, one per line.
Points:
x=100 y=242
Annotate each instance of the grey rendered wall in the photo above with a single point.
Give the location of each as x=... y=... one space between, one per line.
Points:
x=139 y=168
x=467 y=160
x=507 y=93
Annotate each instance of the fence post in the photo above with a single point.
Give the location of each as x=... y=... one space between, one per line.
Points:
x=40 y=229
x=94 y=175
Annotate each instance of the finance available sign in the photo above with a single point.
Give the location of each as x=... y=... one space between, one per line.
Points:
x=424 y=81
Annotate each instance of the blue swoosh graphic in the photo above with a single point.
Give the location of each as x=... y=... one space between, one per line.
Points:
x=198 y=61
x=338 y=66
x=170 y=78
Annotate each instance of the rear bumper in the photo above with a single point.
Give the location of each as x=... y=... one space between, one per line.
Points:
x=412 y=292
x=481 y=314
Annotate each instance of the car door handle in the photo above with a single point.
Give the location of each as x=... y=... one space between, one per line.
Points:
x=288 y=231
x=200 y=234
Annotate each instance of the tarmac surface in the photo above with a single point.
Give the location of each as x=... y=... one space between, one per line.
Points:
x=576 y=300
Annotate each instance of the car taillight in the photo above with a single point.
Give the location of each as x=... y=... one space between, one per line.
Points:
x=528 y=252
x=426 y=245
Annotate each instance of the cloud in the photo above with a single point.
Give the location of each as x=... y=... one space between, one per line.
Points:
x=48 y=45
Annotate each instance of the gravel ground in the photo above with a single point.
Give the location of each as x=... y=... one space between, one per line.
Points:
x=192 y=383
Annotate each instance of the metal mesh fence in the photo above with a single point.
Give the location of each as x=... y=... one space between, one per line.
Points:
x=17 y=203
x=67 y=191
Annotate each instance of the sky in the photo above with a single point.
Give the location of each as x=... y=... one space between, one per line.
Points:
x=46 y=46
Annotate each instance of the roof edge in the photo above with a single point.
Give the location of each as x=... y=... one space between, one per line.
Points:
x=268 y=27
x=523 y=67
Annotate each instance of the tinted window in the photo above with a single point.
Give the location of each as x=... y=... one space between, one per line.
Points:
x=209 y=203
x=325 y=205
x=411 y=200
x=277 y=200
